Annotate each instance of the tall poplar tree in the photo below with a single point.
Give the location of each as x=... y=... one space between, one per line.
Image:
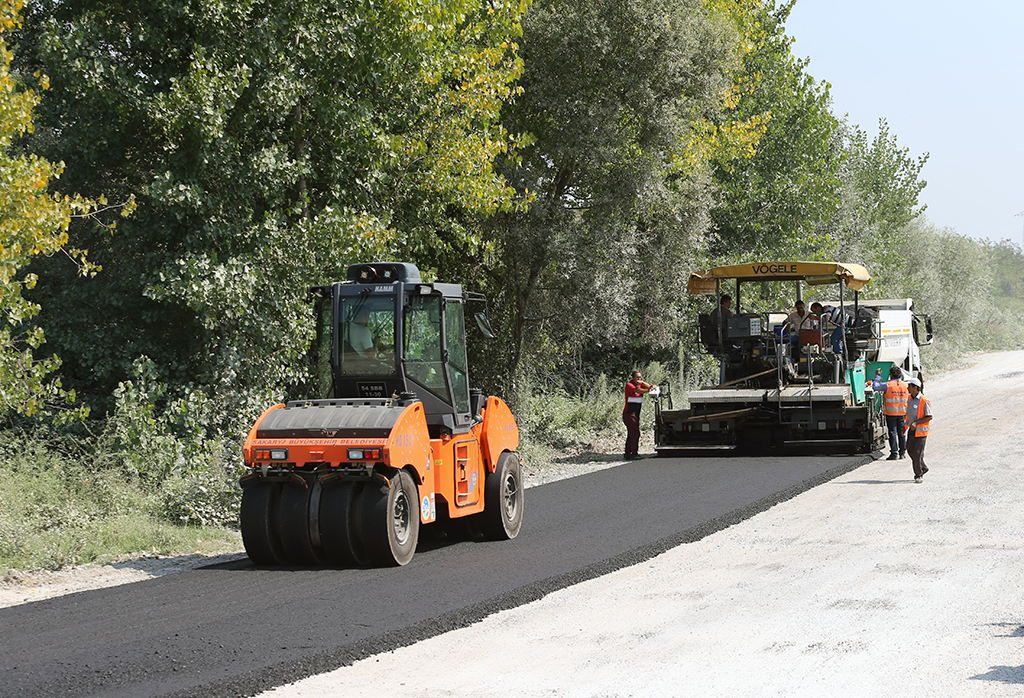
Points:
x=773 y=204
x=611 y=94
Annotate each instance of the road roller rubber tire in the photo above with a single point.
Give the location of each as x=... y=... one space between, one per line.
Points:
x=293 y=524
x=502 y=516
x=388 y=520
x=341 y=544
x=258 y=523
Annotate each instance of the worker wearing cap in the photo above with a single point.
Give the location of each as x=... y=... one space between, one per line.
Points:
x=919 y=420
x=894 y=407
x=635 y=391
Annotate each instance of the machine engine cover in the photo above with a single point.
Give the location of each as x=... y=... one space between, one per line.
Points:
x=331 y=419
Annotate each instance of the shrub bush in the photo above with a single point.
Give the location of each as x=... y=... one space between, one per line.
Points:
x=153 y=478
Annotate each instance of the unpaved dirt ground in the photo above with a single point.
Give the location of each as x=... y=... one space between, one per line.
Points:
x=18 y=587
x=868 y=585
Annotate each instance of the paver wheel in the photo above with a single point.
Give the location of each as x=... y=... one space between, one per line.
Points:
x=502 y=516
x=258 y=522
x=388 y=520
x=341 y=545
x=293 y=523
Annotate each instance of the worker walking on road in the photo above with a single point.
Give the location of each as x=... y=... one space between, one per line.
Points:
x=919 y=420
x=635 y=391
x=894 y=407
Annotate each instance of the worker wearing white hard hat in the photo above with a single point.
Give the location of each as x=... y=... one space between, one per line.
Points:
x=918 y=422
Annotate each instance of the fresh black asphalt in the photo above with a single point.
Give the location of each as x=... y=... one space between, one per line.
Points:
x=235 y=630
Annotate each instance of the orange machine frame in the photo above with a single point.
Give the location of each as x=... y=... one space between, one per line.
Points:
x=452 y=466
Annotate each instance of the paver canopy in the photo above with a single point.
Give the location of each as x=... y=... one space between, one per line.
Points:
x=855 y=276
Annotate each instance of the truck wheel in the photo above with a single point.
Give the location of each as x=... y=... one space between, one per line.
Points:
x=503 y=499
x=389 y=520
x=341 y=545
x=259 y=528
x=293 y=524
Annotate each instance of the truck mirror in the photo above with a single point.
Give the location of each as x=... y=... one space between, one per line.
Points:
x=485 y=325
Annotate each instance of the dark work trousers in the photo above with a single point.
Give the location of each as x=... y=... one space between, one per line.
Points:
x=632 y=422
x=915 y=449
x=897 y=436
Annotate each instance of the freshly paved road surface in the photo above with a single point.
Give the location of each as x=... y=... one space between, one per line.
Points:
x=869 y=585
x=233 y=630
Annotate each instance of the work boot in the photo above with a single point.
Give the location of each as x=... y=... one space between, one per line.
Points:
x=893 y=456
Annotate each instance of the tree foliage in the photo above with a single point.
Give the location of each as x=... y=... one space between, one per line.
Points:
x=33 y=222
x=772 y=203
x=881 y=183
x=1006 y=260
x=269 y=143
x=575 y=161
x=611 y=95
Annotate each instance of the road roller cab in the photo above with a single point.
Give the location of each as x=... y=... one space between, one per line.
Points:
x=394 y=440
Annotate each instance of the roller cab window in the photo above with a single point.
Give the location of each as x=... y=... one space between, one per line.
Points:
x=367 y=332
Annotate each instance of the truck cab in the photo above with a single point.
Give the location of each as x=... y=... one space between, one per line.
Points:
x=900 y=334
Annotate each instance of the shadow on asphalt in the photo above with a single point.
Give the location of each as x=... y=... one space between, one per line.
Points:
x=437 y=537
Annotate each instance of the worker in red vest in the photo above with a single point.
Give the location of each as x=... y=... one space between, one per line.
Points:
x=635 y=391
x=919 y=420
x=894 y=407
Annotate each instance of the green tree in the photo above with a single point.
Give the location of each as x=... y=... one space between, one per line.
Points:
x=611 y=94
x=270 y=143
x=33 y=222
x=772 y=204
x=949 y=277
x=1007 y=262
x=879 y=198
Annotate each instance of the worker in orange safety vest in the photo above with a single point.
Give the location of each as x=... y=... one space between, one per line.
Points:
x=894 y=407
x=919 y=421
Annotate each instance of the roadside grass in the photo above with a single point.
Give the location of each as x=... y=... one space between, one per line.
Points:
x=57 y=510
x=553 y=422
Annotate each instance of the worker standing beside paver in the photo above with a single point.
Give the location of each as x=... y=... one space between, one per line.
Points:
x=919 y=421
x=635 y=391
x=894 y=407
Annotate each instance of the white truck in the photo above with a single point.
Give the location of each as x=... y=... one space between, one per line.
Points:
x=901 y=332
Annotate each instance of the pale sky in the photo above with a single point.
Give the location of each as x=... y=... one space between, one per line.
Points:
x=947 y=76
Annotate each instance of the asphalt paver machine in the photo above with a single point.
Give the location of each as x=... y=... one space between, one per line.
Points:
x=780 y=387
